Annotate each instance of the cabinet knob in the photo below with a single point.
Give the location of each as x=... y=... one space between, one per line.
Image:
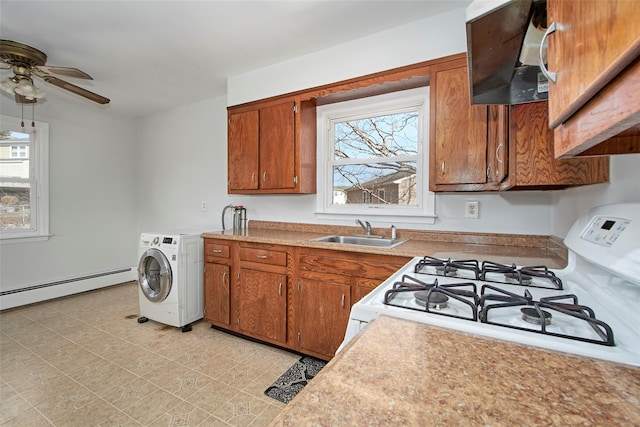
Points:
x=550 y=75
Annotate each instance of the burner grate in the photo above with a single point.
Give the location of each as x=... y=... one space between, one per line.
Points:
x=535 y=276
x=565 y=304
x=430 y=296
x=449 y=268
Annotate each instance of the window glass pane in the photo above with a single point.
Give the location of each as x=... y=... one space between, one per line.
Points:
x=14 y=158
x=15 y=187
x=15 y=205
x=377 y=137
x=388 y=183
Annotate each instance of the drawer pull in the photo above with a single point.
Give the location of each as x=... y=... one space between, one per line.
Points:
x=342 y=302
x=217 y=251
x=224 y=276
x=550 y=75
x=262 y=256
x=280 y=289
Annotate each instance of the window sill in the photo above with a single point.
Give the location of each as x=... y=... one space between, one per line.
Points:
x=8 y=240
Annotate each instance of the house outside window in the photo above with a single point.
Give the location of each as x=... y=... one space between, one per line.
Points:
x=373 y=158
x=24 y=186
x=19 y=151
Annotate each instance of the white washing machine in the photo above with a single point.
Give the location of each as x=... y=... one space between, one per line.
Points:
x=170 y=275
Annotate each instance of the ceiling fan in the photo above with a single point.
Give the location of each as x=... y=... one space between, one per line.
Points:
x=26 y=62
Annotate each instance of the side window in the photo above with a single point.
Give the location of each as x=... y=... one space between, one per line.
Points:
x=24 y=187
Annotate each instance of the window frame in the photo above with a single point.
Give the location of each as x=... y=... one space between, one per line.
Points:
x=39 y=180
x=424 y=211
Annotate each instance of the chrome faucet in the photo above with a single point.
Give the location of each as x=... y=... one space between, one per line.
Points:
x=367 y=227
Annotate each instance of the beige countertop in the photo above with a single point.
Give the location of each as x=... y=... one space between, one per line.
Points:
x=507 y=248
x=442 y=377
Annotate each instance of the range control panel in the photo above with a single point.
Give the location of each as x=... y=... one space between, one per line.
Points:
x=605 y=230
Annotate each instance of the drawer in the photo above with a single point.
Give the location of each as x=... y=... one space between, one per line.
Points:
x=264 y=256
x=216 y=249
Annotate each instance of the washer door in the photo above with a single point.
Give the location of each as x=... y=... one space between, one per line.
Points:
x=154 y=275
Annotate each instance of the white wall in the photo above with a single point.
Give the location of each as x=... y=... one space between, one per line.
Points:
x=623 y=187
x=181 y=162
x=92 y=196
x=419 y=41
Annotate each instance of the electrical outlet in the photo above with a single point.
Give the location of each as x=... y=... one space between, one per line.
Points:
x=204 y=206
x=471 y=209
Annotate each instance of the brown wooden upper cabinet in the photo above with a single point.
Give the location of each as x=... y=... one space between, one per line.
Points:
x=458 y=130
x=271 y=147
x=488 y=148
x=594 y=54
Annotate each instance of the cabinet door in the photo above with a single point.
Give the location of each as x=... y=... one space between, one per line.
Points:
x=277 y=146
x=531 y=153
x=217 y=301
x=594 y=41
x=243 y=150
x=263 y=304
x=324 y=311
x=459 y=130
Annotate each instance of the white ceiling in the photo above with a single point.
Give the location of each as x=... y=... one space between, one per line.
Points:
x=149 y=56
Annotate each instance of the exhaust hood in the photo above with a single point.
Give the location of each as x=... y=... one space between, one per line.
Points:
x=503 y=44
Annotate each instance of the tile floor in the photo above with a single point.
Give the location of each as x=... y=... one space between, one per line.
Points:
x=84 y=360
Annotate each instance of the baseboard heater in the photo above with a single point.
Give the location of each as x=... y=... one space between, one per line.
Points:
x=45 y=291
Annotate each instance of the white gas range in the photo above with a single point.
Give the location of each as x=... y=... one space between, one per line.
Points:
x=590 y=308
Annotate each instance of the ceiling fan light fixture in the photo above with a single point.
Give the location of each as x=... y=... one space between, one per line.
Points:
x=26 y=88
x=8 y=85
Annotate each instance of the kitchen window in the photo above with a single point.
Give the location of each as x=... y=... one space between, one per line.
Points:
x=24 y=181
x=373 y=158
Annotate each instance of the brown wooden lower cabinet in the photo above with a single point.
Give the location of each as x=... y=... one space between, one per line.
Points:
x=262 y=308
x=328 y=284
x=324 y=313
x=217 y=282
x=293 y=297
x=217 y=302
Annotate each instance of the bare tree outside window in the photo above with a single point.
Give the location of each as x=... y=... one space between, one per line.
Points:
x=375 y=159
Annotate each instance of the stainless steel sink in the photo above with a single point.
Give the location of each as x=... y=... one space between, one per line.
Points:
x=375 y=241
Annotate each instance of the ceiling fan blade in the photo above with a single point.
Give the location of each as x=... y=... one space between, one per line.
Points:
x=22 y=100
x=76 y=89
x=67 y=72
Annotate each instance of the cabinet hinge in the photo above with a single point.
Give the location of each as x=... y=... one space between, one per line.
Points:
x=295 y=108
x=295 y=180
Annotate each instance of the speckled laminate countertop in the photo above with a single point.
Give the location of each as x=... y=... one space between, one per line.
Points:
x=439 y=377
x=507 y=248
